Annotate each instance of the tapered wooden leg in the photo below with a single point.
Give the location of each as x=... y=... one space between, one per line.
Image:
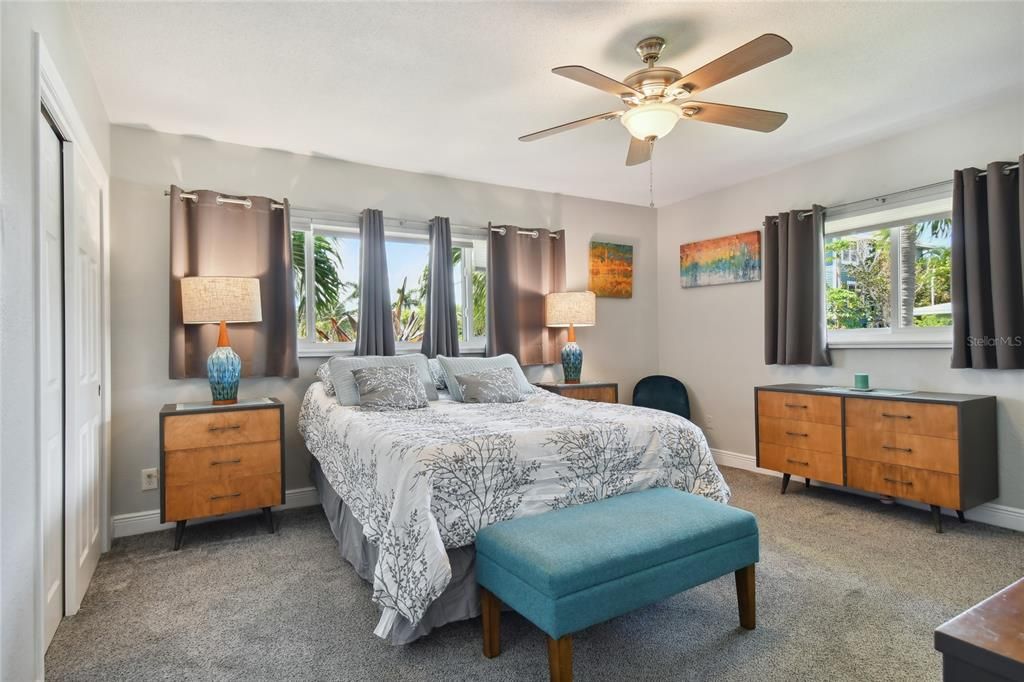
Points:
x=490 y=615
x=560 y=659
x=960 y=515
x=937 y=517
x=268 y=519
x=785 y=482
x=179 y=534
x=746 y=595
x=807 y=482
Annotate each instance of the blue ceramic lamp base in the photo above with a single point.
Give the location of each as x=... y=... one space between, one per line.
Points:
x=224 y=368
x=572 y=362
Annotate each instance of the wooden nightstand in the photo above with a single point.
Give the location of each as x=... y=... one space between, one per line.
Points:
x=596 y=391
x=217 y=459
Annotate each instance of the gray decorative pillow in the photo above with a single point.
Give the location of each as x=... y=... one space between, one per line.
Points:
x=323 y=374
x=390 y=388
x=437 y=371
x=345 y=386
x=455 y=366
x=499 y=385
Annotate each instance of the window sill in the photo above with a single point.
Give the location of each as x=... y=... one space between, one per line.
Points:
x=314 y=352
x=890 y=342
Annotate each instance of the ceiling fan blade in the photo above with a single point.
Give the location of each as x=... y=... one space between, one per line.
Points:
x=582 y=74
x=761 y=120
x=757 y=52
x=569 y=126
x=639 y=152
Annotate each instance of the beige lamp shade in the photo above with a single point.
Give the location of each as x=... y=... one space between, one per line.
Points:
x=577 y=308
x=220 y=299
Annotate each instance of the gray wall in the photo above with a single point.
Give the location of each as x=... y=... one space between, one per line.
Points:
x=712 y=337
x=622 y=347
x=19 y=482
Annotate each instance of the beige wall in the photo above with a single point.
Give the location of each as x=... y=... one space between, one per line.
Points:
x=20 y=583
x=622 y=347
x=712 y=337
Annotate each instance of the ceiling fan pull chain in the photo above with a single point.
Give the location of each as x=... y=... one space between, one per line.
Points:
x=651 y=164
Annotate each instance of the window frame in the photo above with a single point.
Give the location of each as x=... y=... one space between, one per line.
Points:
x=894 y=336
x=312 y=224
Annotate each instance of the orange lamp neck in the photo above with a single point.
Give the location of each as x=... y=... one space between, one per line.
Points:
x=222 y=340
x=572 y=333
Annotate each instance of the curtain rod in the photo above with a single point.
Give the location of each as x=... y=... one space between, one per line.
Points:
x=222 y=199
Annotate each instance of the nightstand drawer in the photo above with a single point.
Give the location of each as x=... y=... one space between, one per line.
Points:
x=597 y=394
x=229 y=427
x=182 y=467
x=209 y=498
x=803 y=435
x=821 y=466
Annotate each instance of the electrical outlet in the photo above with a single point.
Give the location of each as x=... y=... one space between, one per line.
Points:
x=150 y=479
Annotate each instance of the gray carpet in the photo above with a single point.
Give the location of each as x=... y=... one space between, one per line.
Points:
x=847 y=589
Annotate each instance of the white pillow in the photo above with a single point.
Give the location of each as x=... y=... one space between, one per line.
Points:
x=345 y=383
x=456 y=366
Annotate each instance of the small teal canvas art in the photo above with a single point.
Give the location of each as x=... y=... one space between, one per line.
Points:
x=724 y=260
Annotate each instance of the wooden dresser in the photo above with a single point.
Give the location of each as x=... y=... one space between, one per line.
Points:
x=936 y=448
x=595 y=391
x=217 y=459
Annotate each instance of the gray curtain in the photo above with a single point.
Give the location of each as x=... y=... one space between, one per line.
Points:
x=521 y=269
x=794 y=289
x=987 y=288
x=212 y=239
x=441 y=327
x=376 y=333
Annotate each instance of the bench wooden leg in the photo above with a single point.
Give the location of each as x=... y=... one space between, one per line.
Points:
x=746 y=596
x=490 y=615
x=560 y=659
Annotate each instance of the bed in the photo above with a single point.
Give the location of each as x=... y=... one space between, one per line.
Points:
x=406 y=491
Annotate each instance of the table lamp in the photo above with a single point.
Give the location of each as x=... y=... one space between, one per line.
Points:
x=571 y=309
x=208 y=300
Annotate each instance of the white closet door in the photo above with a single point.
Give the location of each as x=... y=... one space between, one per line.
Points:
x=51 y=368
x=83 y=368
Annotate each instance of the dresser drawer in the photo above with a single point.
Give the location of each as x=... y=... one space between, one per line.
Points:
x=182 y=467
x=209 y=498
x=800 y=406
x=930 y=487
x=800 y=434
x=820 y=466
x=229 y=427
x=906 y=449
x=926 y=419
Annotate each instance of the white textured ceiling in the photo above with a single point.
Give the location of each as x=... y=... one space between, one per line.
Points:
x=446 y=88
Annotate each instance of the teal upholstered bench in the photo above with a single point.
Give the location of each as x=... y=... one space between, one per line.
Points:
x=572 y=568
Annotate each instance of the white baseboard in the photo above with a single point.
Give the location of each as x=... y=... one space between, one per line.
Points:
x=990 y=513
x=137 y=523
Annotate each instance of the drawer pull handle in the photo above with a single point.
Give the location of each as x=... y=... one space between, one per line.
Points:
x=796 y=433
x=896 y=416
x=893 y=447
x=226 y=461
x=796 y=461
x=221 y=497
x=896 y=480
x=229 y=427
x=802 y=407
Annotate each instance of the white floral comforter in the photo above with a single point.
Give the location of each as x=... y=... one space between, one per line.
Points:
x=423 y=480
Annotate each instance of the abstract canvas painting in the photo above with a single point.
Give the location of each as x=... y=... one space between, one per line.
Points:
x=724 y=260
x=611 y=270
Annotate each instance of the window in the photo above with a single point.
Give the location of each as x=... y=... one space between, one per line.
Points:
x=887 y=276
x=326 y=265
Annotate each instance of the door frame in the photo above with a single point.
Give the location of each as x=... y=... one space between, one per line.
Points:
x=55 y=97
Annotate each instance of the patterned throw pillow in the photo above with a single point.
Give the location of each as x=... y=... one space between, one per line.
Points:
x=345 y=386
x=456 y=366
x=323 y=374
x=490 y=386
x=390 y=388
x=437 y=371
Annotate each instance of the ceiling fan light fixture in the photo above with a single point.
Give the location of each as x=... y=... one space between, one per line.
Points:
x=651 y=120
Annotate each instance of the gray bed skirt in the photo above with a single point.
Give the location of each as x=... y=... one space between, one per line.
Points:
x=459 y=601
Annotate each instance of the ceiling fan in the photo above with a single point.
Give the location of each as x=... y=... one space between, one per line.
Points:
x=657 y=97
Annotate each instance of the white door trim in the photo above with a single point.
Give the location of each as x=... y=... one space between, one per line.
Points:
x=54 y=95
